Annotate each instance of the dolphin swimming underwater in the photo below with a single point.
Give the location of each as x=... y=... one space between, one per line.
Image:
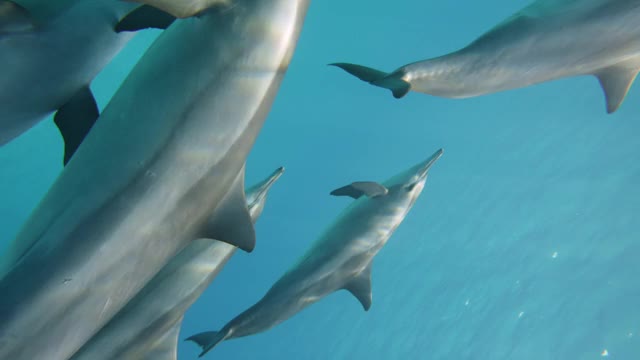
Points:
x=50 y=51
x=548 y=40
x=148 y=326
x=340 y=259
x=163 y=166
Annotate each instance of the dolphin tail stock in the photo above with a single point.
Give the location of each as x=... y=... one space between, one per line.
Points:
x=616 y=81
x=392 y=81
x=208 y=340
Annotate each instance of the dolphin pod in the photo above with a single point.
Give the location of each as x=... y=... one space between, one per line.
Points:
x=148 y=327
x=548 y=40
x=137 y=192
x=340 y=259
x=153 y=204
x=51 y=50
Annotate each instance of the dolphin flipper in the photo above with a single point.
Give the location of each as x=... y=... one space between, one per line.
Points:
x=75 y=119
x=359 y=188
x=14 y=18
x=615 y=82
x=231 y=222
x=207 y=340
x=394 y=82
x=360 y=287
x=145 y=17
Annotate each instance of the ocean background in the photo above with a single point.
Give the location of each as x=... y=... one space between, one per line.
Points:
x=523 y=245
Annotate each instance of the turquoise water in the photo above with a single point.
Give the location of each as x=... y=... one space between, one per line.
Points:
x=523 y=244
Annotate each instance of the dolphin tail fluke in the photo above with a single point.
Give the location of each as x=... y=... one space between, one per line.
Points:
x=615 y=82
x=207 y=340
x=394 y=82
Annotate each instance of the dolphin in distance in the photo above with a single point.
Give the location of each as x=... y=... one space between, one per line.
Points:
x=148 y=326
x=163 y=166
x=545 y=41
x=341 y=258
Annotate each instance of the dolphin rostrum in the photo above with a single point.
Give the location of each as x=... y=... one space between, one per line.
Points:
x=548 y=40
x=340 y=259
x=50 y=51
x=162 y=167
x=148 y=326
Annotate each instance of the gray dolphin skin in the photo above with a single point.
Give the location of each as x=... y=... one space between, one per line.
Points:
x=340 y=259
x=50 y=52
x=148 y=327
x=162 y=167
x=185 y=8
x=548 y=40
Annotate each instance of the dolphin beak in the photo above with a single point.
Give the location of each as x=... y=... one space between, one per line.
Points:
x=423 y=169
x=264 y=188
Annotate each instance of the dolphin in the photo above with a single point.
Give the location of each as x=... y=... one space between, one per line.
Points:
x=340 y=259
x=163 y=166
x=548 y=40
x=148 y=326
x=50 y=51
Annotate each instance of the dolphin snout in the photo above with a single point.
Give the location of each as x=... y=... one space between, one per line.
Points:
x=427 y=164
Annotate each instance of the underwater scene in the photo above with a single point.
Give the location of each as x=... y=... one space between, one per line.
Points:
x=297 y=179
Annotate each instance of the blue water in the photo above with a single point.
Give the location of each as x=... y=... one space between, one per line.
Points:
x=523 y=245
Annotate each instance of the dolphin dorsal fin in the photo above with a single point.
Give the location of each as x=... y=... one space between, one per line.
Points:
x=231 y=221
x=145 y=17
x=359 y=188
x=616 y=81
x=360 y=287
x=14 y=18
x=166 y=346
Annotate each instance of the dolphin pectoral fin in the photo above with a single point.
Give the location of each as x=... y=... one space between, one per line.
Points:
x=145 y=17
x=394 y=82
x=359 y=188
x=231 y=221
x=360 y=287
x=615 y=82
x=207 y=340
x=75 y=119
x=14 y=18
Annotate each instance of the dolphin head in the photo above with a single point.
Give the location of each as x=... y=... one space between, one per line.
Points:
x=409 y=183
x=257 y=194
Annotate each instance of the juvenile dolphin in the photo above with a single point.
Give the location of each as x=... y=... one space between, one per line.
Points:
x=50 y=51
x=148 y=327
x=548 y=40
x=340 y=259
x=162 y=167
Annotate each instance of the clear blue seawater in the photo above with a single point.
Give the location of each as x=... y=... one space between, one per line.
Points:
x=524 y=244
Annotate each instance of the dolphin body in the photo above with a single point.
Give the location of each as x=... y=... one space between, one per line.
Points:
x=163 y=167
x=340 y=259
x=50 y=50
x=548 y=40
x=148 y=327
x=185 y=8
